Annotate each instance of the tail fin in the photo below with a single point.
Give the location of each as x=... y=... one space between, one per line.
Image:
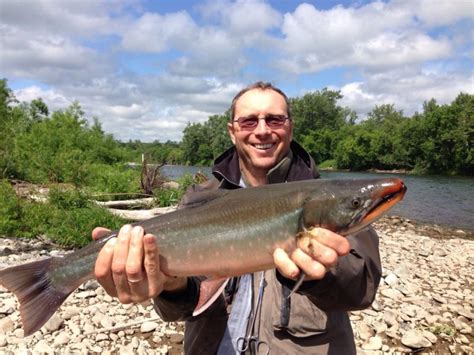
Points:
x=39 y=297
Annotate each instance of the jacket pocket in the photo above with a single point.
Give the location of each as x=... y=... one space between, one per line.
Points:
x=297 y=315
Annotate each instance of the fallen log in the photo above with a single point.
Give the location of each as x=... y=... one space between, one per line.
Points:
x=126 y=203
x=140 y=215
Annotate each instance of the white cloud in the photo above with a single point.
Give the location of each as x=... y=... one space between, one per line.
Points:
x=375 y=35
x=156 y=33
x=406 y=88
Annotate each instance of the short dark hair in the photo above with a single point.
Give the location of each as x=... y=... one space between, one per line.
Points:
x=262 y=86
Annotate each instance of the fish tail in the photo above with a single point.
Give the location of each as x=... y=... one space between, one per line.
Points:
x=37 y=293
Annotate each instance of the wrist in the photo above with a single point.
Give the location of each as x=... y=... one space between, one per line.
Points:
x=175 y=284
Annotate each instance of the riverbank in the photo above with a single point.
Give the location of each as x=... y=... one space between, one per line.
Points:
x=424 y=302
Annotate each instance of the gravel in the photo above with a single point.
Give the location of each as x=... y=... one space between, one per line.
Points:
x=424 y=303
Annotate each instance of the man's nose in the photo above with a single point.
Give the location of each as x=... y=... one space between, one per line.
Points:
x=262 y=127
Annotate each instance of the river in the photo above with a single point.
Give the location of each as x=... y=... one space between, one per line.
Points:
x=443 y=200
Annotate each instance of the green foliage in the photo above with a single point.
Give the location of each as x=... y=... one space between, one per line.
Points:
x=112 y=181
x=166 y=197
x=66 y=219
x=203 y=142
x=10 y=212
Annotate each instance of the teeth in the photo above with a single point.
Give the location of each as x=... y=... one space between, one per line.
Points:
x=263 y=146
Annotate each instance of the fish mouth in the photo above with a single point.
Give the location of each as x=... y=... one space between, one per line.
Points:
x=391 y=193
x=385 y=197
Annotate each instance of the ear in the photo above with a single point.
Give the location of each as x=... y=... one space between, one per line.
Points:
x=291 y=130
x=230 y=129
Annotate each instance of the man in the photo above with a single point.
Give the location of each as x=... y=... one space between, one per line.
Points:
x=341 y=274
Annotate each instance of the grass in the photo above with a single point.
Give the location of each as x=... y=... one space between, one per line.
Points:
x=67 y=219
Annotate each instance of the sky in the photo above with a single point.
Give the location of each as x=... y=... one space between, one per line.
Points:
x=146 y=69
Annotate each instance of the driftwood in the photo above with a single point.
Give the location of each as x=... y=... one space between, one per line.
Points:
x=140 y=215
x=120 y=327
x=126 y=203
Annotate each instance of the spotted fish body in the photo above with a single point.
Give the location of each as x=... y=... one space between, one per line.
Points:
x=222 y=234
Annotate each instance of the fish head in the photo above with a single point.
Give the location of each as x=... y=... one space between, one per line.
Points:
x=347 y=206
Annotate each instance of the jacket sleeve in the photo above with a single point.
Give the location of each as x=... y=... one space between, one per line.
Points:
x=178 y=306
x=353 y=283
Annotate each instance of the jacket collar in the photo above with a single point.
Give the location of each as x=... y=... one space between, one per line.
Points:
x=297 y=165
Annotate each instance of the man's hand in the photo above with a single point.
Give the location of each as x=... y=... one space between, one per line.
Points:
x=316 y=251
x=128 y=267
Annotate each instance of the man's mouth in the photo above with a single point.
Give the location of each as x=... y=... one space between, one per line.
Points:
x=263 y=146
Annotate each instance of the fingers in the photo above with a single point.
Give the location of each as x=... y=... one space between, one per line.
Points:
x=119 y=263
x=152 y=265
x=103 y=267
x=317 y=250
x=99 y=232
x=332 y=240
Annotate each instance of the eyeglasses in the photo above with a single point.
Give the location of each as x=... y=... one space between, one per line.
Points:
x=249 y=123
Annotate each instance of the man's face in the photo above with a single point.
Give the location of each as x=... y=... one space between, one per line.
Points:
x=262 y=148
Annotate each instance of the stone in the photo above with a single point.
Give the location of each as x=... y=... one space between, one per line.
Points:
x=176 y=338
x=465 y=313
x=391 y=279
x=148 y=327
x=364 y=331
x=415 y=340
x=42 y=347
x=430 y=336
x=374 y=343
x=61 y=339
x=54 y=323
x=6 y=325
x=391 y=293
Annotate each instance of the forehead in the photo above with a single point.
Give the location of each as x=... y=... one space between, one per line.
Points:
x=258 y=101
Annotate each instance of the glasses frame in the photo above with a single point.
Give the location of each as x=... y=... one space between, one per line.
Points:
x=282 y=119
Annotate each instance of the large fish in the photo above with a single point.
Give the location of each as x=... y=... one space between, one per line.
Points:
x=218 y=235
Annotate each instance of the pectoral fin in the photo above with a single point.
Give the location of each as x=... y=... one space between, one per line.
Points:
x=209 y=291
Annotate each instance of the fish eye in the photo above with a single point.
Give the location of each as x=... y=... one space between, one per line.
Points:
x=355 y=202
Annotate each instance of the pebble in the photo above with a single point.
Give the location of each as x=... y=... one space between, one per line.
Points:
x=374 y=343
x=148 y=327
x=54 y=323
x=424 y=302
x=415 y=340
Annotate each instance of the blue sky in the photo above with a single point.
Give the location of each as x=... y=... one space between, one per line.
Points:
x=147 y=68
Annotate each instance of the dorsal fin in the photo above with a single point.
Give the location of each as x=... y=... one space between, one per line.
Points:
x=198 y=198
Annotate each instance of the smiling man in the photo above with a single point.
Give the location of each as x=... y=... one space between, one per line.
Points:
x=341 y=274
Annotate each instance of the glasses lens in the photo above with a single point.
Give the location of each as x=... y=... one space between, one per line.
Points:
x=274 y=121
x=248 y=122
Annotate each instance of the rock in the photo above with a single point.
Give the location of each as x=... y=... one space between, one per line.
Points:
x=415 y=340
x=6 y=325
x=176 y=338
x=42 y=347
x=391 y=293
x=148 y=327
x=391 y=279
x=70 y=312
x=438 y=298
x=54 y=323
x=430 y=336
x=465 y=313
x=364 y=331
x=61 y=339
x=374 y=343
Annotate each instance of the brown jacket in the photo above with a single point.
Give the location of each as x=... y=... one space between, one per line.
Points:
x=313 y=320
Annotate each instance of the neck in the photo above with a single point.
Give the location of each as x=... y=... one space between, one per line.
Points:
x=253 y=179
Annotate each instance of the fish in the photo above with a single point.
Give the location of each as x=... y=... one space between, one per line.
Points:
x=218 y=235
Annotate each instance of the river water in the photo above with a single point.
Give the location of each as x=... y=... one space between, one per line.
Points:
x=443 y=200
